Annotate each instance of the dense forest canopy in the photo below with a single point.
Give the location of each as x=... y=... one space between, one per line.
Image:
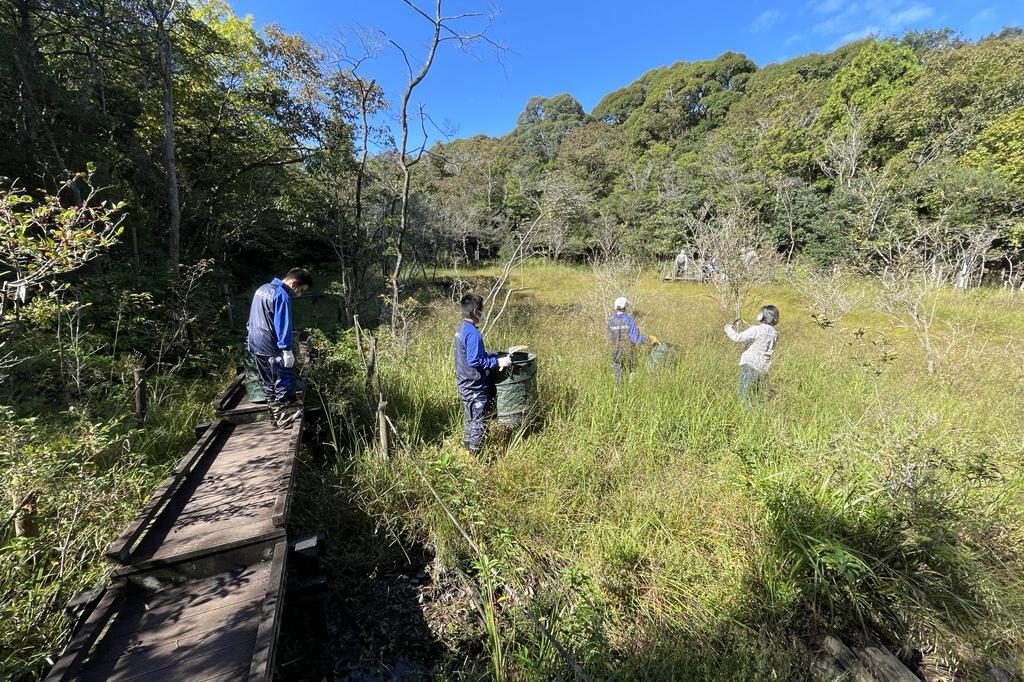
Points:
x=834 y=152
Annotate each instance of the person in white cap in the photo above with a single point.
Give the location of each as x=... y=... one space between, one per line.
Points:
x=757 y=358
x=623 y=334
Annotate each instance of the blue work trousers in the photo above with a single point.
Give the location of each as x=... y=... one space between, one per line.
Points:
x=278 y=381
x=480 y=409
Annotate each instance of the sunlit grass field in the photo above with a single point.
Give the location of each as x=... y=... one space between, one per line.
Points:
x=664 y=530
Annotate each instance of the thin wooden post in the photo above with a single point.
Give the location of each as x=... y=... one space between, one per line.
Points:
x=134 y=240
x=382 y=424
x=371 y=361
x=23 y=511
x=359 y=338
x=228 y=309
x=141 y=399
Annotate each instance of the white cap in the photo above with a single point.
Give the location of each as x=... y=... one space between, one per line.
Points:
x=621 y=302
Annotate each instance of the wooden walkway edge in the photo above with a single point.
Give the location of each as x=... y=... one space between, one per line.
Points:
x=197 y=582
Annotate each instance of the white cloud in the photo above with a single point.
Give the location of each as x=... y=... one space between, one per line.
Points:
x=890 y=14
x=910 y=15
x=795 y=38
x=840 y=22
x=857 y=35
x=826 y=6
x=765 y=20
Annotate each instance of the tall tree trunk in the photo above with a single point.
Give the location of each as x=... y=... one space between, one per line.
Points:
x=403 y=156
x=354 y=290
x=170 y=165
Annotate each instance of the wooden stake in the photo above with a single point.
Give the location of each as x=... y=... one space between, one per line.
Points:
x=25 y=525
x=359 y=338
x=371 y=361
x=382 y=424
x=141 y=399
x=229 y=311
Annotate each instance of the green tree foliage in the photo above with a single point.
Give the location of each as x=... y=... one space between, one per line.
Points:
x=687 y=95
x=839 y=152
x=545 y=121
x=960 y=92
x=880 y=70
x=1000 y=147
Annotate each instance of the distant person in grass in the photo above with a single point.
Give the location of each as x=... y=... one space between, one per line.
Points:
x=474 y=373
x=624 y=335
x=757 y=357
x=270 y=342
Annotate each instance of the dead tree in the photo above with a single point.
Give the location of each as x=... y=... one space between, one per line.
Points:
x=443 y=28
x=917 y=267
x=736 y=252
x=554 y=195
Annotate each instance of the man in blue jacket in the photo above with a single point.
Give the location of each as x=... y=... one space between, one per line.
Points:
x=623 y=334
x=474 y=373
x=270 y=342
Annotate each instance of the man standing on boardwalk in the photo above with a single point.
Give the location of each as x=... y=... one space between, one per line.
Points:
x=270 y=342
x=474 y=373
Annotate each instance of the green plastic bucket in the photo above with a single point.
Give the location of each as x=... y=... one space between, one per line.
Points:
x=253 y=384
x=517 y=389
x=662 y=355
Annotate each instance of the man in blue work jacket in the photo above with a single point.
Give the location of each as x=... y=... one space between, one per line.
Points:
x=623 y=334
x=474 y=373
x=270 y=342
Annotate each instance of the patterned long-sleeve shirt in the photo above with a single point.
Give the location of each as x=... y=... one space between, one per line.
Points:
x=762 y=339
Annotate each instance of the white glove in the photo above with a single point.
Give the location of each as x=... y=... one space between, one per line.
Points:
x=504 y=362
x=287 y=359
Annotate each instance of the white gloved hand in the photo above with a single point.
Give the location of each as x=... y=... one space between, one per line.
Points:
x=504 y=362
x=287 y=359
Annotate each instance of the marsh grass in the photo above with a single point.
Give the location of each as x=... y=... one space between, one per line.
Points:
x=666 y=531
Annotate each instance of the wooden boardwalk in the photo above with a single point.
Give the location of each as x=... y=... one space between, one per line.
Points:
x=234 y=404
x=198 y=577
x=233 y=488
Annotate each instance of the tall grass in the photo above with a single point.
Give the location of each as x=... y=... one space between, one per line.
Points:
x=859 y=495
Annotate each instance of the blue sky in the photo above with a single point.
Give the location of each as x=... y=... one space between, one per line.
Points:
x=591 y=48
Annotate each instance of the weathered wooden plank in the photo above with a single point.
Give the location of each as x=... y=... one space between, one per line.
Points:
x=227 y=651
x=135 y=654
x=216 y=538
x=121 y=548
x=170 y=613
x=206 y=628
x=262 y=436
x=223 y=512
x=229 y=676
x=75 y=652
x=200 y=670
x=224 y=400
x=262 y=668
x=283 y=504
x=245 y=487
x=885 y=666
x=846 y=658
x=262 y=485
